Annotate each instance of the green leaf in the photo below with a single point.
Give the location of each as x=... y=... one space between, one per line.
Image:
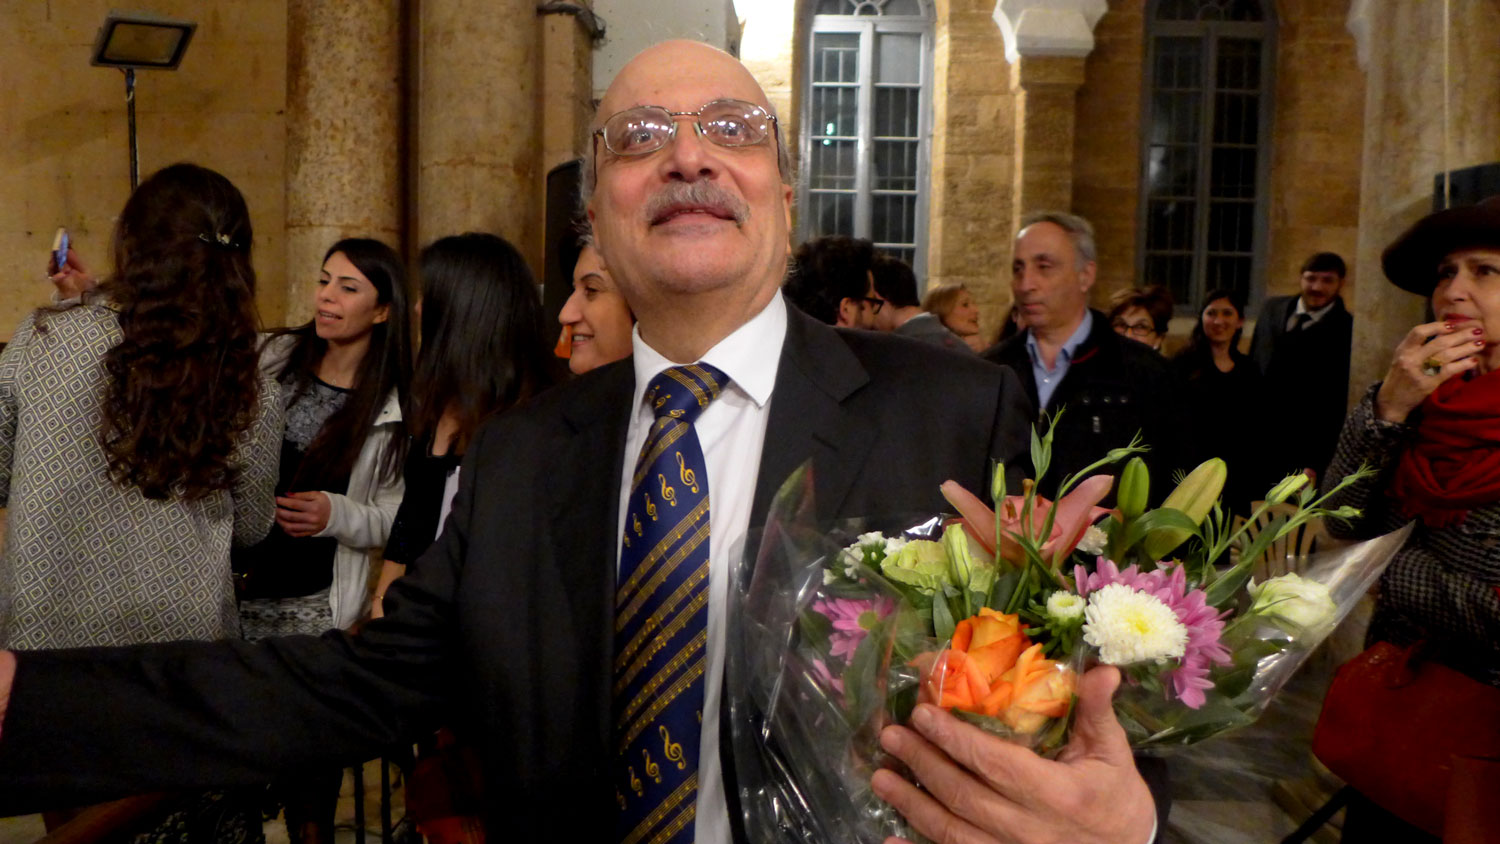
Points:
x=1005 y=586
x=861 y=690
x=942 y=620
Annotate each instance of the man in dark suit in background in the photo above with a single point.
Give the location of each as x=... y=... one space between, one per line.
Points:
x=1301 y=344
x=508 y=625
x=1069 y=358
x=830 y=281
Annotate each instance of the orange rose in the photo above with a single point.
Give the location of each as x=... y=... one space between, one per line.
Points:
x=1039 y=689
x=966 y=675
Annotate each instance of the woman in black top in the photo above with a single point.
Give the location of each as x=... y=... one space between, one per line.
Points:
x=1222 y=401
x=483 y=351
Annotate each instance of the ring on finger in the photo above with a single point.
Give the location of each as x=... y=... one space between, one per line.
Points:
x=1432 y=366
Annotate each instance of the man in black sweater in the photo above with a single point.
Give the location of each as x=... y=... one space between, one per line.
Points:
x=1070 y=359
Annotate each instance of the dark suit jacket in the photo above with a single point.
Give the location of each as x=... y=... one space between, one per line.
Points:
x=1113 y=388
x=505 y=627
x=1306 y=370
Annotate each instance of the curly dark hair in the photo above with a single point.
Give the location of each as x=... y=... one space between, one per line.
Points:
x=181 y=386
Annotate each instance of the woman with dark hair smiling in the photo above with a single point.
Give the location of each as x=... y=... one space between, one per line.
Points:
x=1217 y=390
x=344 y=378
x=484 y=350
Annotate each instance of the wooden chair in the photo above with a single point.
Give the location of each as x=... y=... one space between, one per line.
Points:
x=1289 y=553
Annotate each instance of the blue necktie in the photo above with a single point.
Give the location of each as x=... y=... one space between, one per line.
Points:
x=661 y=616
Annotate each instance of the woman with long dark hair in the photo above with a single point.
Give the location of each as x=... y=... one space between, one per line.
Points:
x=1217 y=387
x=137 y=438
x=343 y=378
x=484 y=350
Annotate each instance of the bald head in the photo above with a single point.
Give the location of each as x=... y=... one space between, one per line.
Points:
x=695 y=232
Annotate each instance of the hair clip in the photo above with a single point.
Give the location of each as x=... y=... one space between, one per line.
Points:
x=220 y=240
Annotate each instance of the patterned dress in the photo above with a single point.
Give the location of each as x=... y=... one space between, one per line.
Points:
x=86 y=561
x=1442 y=585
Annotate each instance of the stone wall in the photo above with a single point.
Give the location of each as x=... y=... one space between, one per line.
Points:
x=63 y=147
x=973 y=157
x=1404 y=147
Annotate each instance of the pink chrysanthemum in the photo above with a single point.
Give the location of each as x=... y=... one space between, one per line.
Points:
x=852 y=621
x=1204 y=625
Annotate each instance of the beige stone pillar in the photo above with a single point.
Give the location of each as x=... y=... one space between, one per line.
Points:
x=566 y=101
x=343 y=128
x=1404 y=148
x=479 y=136
x=1046 y=92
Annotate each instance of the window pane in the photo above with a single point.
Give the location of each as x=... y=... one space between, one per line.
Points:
x=1238 y=64
x=895 y=165
x=1209 y=10
x=905 y=253
x=896 y=112
x=1231 y=271
x=834 y=165
x=832 y=213
x=1178 y=63
x=1233 y=172
x=1236 y=118
x=835 y=57
x=893 y=218
x=835 y=113
x=1175 y=117
x=1170 y=224
x=898 y=58
x=1173 y=271
x=1173 y=171
x=833 y=7
x=1231 y=226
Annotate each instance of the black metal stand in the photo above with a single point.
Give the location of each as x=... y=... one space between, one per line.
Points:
x=135 y=152
x=1338 y=801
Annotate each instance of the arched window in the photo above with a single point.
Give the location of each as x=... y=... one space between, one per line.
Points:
x=1205 y=148
x=867 y=124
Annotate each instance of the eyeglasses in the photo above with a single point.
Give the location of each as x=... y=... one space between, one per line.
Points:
x=875 y=303
x=1134 y=329
x=645 y=129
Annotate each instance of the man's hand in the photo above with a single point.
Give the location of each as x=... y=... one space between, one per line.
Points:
x=303 y=513
x=7 y=674
x=978 y=788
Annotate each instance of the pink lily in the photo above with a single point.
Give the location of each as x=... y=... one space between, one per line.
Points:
x=1075 y=512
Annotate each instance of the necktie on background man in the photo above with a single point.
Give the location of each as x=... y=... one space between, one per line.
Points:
x=661 y=615
x=1301 y=321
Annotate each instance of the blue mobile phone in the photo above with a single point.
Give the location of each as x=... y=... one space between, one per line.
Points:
x=60 y=249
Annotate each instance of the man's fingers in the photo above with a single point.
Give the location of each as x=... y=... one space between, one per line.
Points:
x=962 y=755
x=925 y=814
x=1096 y=731
x=287 y=502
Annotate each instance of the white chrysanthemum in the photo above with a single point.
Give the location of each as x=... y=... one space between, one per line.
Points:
x=1065 y=606
x=894 y=544
x=1093 y=541
x=1129 y=627
x=874 y=537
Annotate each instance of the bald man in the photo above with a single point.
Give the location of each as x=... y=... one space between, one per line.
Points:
x=517 y=625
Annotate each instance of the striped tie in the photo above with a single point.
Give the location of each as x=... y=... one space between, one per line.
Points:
x=661 y=616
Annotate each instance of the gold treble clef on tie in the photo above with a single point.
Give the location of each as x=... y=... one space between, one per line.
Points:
x=653 y=770
x=672 y=749
x=650 y=508
x=689 y=477
x=635 y=783
x=667 y=492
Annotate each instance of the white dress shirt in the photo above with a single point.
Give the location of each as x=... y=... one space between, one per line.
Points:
x=731 y=431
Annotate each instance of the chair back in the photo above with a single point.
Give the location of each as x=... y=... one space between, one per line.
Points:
x=1289 y=553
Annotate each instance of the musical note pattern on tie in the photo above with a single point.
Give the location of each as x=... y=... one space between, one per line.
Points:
x=661 y=616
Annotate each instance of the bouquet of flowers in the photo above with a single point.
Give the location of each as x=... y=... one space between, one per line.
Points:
x=994 y=613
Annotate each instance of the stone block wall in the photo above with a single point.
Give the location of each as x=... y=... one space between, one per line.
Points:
x=63 y=139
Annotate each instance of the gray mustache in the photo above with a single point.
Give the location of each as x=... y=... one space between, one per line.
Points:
x=702 y=193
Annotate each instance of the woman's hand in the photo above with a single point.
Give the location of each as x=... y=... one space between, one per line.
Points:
x=1430 y=354
x=302 y=513
x=72 y=279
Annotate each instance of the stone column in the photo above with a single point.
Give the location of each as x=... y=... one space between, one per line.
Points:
x=478 y=145
x=1046 y=90
x=567 y=90
x=343 y=134
x=1046 y=42
x=1404 y=149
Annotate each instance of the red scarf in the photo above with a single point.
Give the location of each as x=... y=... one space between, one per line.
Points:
x=1454 y=465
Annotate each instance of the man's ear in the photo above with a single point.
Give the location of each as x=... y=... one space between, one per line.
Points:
x=848 y=315
x=1087 y=276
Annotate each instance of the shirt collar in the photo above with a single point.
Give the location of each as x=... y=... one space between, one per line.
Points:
x=1070 y=345
x=1316 y=315
x=749 y=356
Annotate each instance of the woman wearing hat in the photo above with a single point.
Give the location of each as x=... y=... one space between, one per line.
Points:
x=1432 y=427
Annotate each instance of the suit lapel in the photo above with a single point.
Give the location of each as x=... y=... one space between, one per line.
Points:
x=816 y=374
x=583 y=494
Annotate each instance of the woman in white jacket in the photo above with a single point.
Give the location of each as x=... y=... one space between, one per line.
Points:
x=344 y=378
